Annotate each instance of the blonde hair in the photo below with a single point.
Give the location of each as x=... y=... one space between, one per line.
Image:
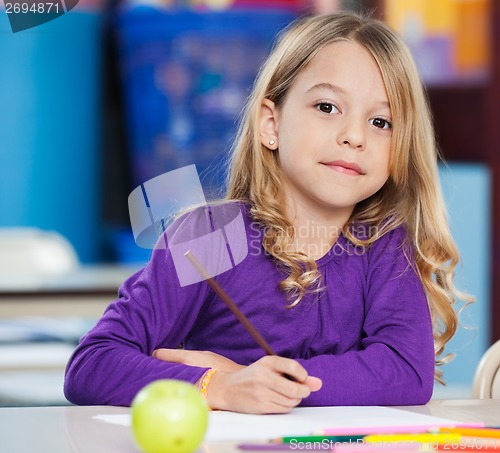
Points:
x=412 y=194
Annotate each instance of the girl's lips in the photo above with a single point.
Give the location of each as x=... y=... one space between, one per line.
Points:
x=347 y=168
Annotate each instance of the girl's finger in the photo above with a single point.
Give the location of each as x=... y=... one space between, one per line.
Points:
x=286 y=366
x=285 y=387
x=314 y=383
x=274 y=402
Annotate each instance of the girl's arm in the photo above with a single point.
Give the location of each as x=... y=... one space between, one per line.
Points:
x=114 y=360
x=118 y=356
x=395 y=363
x=260 y=388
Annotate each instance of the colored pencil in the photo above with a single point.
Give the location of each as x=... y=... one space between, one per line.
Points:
x=278 y=447
x=230 y=304
x=316 y=438
x=267 y=447
x=473 y=432
x=365 y=448
x=391 y=429
x=467 y=448
x=234 y=308
x=424 y=438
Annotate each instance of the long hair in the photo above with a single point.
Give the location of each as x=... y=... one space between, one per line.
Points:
x=411 y=195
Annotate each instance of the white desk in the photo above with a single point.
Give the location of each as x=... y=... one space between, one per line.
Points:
x=72 y=429
x=58 y=309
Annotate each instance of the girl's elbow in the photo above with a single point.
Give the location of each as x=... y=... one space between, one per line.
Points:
x=421 y=392
x=427 y=388
x=79 y=387
x=72 y=393
x=75 y=392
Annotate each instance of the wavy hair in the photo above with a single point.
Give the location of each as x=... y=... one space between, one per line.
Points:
x=411 y=195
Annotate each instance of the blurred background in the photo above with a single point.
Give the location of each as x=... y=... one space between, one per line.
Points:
x=112 y=94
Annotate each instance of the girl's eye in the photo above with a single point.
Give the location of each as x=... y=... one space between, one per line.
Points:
x=381 y=123
x=326 y=107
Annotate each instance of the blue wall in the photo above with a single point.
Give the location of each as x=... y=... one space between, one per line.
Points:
x=49 y=128
x=466 y=188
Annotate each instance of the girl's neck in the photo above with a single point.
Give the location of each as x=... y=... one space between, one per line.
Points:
x=315 y=232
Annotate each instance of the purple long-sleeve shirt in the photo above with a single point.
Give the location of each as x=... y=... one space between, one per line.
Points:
x=368 y=335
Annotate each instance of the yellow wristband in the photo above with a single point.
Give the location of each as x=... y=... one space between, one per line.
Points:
x=205 y=381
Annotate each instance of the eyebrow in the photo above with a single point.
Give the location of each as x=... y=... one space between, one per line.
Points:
x=328 y=86
x=338 y=90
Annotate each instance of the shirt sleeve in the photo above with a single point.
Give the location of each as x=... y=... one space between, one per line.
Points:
x=395 y=362
x=113 y=360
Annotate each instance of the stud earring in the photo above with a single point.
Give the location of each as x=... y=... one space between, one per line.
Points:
x=271 y=142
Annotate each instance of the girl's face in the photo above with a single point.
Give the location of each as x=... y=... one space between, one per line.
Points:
x=333 y=132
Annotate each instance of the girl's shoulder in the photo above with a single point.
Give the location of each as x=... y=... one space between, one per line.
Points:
x=215 y=235
x=209 y=230
x=204 y=219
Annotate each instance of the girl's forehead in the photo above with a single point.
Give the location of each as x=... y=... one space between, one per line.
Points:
x=343 y=54
x=346 y=65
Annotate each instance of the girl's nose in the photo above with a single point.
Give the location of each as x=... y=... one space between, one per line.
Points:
x=352 y=135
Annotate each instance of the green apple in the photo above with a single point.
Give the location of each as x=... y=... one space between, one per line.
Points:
x=169 y=416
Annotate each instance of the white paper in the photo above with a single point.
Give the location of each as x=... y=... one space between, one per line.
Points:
x=230 y=426
x=307 y=420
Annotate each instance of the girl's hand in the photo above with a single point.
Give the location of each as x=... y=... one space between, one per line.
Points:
x=261 y=387
x=205 y=359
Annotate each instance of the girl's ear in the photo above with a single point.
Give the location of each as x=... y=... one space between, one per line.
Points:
x=268 y=125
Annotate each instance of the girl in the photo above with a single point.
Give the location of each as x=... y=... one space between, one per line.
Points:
x=335 y=173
